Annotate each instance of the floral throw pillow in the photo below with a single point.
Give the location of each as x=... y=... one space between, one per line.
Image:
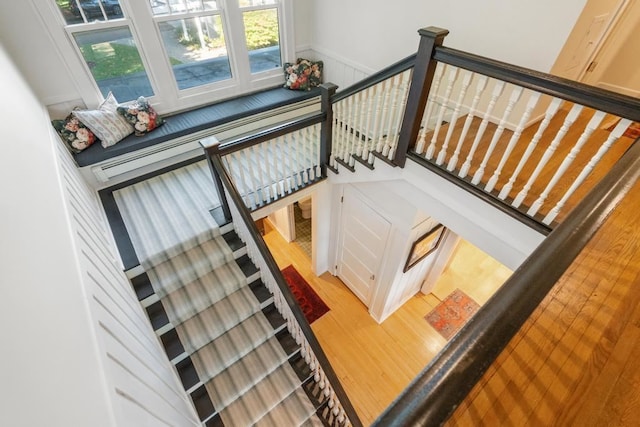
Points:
x=74 y=133
x=140 y=115
x=303 y=75
x=105 y=122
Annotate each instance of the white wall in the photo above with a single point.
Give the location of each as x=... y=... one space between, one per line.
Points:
x=50 y=372
x=356 y=37
x=27 y=42
x=77 y=348
x=376 y=33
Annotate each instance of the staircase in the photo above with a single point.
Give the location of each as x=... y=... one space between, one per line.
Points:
x=227 y=341
x=210 y=309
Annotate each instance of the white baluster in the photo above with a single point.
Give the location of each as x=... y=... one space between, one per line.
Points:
x=405 y=78
x=312 y=159
x=480 y=87
x=497 y=91
x=335 y=135
x=513 y=99
x=466 y=82
x=588 y=130
x=366 y=133
x=613 y=137
x=453 y=76
x=284 y=157
x=433 y=94
x=297 y=140
x=255 y=155
x=381 y=114
x=568 y=122
x=552 y=109
x=396 y=102
x=235 y=157
x=344 y=155
x=279 y=183
x=263 y=152
x=356 y=136
x=389 y=105
x=253 y=179
x=533 y=101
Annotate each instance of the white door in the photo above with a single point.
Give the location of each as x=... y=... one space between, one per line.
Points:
x=617 y=63
x=363 y=238
x=585 y=37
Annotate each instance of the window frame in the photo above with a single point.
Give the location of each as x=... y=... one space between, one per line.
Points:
x=138 y=17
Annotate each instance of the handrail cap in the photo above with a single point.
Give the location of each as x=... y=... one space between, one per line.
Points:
x=433 y=32
x=209 y=142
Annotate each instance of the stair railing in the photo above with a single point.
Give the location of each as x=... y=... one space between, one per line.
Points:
x=340 y=408
x=488 y=126
x=438 y=390
x=367 y=116
x=271 y=164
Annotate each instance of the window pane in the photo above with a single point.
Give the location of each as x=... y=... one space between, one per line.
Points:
x=197 y=50
x=249 y=3
x=263 y=39
x=73 y=10
x=164 y=7
x=114 y=61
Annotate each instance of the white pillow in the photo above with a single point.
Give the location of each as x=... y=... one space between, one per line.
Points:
x=105 y=122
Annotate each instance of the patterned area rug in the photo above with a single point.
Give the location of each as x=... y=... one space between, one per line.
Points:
x=312 y=305
x=633 y=131
x=452 y=313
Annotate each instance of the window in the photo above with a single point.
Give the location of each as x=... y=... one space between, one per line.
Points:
x=180 y=53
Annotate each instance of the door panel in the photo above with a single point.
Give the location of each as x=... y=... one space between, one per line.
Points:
x=617 y=64
x=363 y=239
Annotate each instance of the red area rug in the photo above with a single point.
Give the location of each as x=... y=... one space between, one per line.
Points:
x=452 y=313
x=312 y=305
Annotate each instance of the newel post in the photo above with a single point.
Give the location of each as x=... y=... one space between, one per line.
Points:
x=423 y=72
x=326 y=130
x=210 y=145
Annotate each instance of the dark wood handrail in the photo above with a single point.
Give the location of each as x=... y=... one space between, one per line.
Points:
x=433 y=396
x=465 y=184
x=590 y=96
x=216 y=163
x=267 y=134
x=374 y=79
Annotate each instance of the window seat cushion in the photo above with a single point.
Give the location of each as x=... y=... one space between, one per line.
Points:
x=201 y=118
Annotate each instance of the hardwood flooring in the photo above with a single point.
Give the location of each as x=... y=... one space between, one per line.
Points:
x=575 y=361
x=375 y=362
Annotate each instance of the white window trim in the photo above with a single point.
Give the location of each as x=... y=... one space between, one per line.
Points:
x=145 y=32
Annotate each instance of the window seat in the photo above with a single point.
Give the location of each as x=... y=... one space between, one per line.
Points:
x=197 y=120
x=178 y=139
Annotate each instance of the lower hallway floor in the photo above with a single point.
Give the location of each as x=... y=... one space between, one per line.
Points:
x=375 y=362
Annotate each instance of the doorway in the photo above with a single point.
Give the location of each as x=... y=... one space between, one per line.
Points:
x=601 y=49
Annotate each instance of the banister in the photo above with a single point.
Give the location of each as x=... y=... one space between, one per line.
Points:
x=374 y=79
x=225 y=179
x=213 y=146
x=434 y=395
x=590 y=96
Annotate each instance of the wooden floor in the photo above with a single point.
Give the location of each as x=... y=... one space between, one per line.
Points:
x=376 y=362
x=576 y=361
